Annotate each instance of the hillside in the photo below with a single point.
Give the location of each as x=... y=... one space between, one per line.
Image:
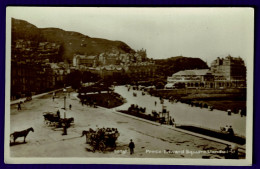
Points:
x=71 y=42
x=167 y=67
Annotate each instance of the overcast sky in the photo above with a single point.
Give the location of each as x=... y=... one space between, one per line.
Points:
x=206 y=33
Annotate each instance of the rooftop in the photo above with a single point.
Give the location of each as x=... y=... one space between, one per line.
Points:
x=195 y=72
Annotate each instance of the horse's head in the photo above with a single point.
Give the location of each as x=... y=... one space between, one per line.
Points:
x=31 y=129
x=72 y=119
x=83 y=133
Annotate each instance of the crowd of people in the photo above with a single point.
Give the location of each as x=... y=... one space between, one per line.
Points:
x=136 y=109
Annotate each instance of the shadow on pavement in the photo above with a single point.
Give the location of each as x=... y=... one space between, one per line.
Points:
x=17 y=143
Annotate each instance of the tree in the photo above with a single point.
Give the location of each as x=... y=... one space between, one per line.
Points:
x=73 y=79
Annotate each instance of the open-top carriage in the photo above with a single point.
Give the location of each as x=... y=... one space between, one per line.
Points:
x=101 y=138
x=54 y=120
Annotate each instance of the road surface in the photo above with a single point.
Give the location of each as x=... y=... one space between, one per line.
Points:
x=183 y=113
x=151 y=141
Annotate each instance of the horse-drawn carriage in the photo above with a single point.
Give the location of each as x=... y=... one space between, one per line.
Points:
x=54 y=120
x=101 y=138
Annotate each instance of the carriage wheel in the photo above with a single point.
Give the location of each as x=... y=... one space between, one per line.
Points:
x=102 y=146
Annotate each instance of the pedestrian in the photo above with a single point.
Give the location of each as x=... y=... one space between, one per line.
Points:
x=170 y=121
x=211 y=108
x=131 y=147
x=234 y=151
x=58 y=113
x=70 y=106
x=19 y=106
x=229 y=112
x=64 y=125
x=227 y=152
x=53 y=98
x=162 y=101
x=173 y=122
x=240 y=112
x=230 y=131
x=155 y=103
x=226 y=128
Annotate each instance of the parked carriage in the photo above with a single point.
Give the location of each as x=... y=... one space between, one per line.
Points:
x=102 y=138
x=54 y=120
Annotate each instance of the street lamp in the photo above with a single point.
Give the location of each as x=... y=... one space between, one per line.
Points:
x=64 y=124
x=64 y=91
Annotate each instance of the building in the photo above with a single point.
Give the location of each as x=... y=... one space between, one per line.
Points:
x=140 y=70
x=228 y=72
x=141 y=55
x=89 y=61
x=30 y=77
x=31 y=71
x=197 y=78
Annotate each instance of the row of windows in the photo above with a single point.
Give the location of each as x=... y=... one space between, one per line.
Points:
x=220 y=84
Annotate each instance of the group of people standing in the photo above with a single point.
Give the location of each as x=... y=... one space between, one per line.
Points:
x=229 y=130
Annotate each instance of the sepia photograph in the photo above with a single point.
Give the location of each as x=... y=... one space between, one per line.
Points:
x=120 y=85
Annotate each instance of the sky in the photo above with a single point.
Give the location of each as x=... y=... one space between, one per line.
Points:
x=206 y=33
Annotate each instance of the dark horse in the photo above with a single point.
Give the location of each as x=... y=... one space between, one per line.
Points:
x=51 y=118
x=90 y=135
x=23 y=133
x=66 y=121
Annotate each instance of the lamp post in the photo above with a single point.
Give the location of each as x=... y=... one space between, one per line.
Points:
x=64 y=91
x=64 y=124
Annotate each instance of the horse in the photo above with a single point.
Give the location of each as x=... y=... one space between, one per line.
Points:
x=67 y=121
x=90 y=135
x=23 y=133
